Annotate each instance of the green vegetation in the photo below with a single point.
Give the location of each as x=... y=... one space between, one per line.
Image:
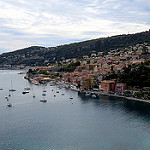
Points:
x=135 y=75
x=37 y=55
x=127 y=92
x=70 y=67
x=44 y=72
x=139 y=94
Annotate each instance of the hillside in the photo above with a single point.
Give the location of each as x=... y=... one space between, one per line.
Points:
x=36 y=55
x=134 y=75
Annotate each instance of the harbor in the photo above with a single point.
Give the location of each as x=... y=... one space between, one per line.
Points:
x=68 y=119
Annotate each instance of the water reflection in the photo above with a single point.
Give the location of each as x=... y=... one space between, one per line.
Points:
x=126 y=106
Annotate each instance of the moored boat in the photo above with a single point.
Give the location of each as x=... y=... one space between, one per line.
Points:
x=24 y=92
x=9 y=105
x=43 y=100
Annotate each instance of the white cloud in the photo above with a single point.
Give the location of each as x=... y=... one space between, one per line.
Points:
x=36 y=21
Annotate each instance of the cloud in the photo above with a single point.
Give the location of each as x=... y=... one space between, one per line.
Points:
x=24 y=23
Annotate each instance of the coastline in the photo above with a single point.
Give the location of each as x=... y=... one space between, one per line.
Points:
x=100 y=93
x=127 y=98
x=124 y=97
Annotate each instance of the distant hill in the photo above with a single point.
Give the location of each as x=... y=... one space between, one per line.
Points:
x=37 y=55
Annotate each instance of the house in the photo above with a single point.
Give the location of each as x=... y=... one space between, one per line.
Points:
x=108 y=85
x=120 y=88
x=93 y=55
x=85 y=57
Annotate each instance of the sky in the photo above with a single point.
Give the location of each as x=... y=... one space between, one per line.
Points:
x=48 y=23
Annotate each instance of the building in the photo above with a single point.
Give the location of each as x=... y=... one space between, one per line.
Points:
x=120 y=88
x=108 y=85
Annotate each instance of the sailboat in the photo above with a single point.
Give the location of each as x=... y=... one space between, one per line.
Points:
x=71 y=97
x=12 y=90
x=33 y=93
x=27 y=88
x=43 y=99
x=24 y=92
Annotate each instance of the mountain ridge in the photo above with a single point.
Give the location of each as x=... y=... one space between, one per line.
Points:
x=39 y=55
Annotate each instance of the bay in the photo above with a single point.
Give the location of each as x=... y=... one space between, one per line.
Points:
x=106 y=123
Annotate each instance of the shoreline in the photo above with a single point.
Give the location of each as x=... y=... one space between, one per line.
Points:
x=107 y=94
x=128 y=98
x=119 y=96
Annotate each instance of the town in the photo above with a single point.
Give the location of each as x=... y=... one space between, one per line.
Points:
x=90 y=73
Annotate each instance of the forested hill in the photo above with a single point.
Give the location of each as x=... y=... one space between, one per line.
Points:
x=37 y=55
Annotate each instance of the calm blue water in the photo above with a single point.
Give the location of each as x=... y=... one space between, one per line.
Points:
x=62 y=124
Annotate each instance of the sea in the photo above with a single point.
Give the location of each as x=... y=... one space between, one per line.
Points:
x=81 y=123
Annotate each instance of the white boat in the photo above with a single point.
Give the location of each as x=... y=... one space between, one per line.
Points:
x=93 y=96
x=43 y=100
x=12 y=90
x=9 y=105
x=24 y=92
x=71 y=97
x=26 y=88
x=33 y=93
x=6 y=97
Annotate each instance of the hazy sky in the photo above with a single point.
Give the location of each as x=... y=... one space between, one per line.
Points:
x=47 y=23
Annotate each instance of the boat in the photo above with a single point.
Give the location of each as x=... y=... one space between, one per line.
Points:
x=12 y=90
x=9 y=105
x=26 y=88
x=6 y=97
x=43 y=100
x=1 y=88
x=44 y=90
x=87 y=94
x=52 y=83
x=24 y=92
x=57 y=91
x=43 y=94
x=93 y=96
x=33 y=93
x=71 y=97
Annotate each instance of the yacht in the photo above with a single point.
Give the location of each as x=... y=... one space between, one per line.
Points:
x=43 y=94
x=71 y=97
x=43 y=100
x=94 y=96
x=9 y=105
x=6 y=97
x=26 y=88
x=12 y=90
x=24 y=92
